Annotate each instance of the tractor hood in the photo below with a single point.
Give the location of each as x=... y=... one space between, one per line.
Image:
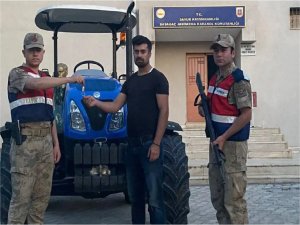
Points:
x=82 y=19
x=98 y=81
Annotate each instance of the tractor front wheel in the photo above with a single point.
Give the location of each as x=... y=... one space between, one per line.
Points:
x=176 y=179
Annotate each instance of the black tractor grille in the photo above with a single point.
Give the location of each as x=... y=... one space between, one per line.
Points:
x=96 y=116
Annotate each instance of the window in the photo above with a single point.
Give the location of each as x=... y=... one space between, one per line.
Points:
x=295 y=18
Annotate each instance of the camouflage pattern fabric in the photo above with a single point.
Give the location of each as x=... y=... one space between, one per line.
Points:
x=32 y=165
x=228 y=199
x=240 y=93
x=17 y=78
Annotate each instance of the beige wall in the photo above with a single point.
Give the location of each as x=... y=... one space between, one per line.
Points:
x=274 y=70
x=171 y=60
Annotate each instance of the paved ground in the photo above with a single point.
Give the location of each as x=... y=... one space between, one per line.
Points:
x=267 y=204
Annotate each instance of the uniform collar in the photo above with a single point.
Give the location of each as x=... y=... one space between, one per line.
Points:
x=225 y=73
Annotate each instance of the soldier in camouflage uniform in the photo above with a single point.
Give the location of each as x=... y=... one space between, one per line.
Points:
x=30 y=94
x=229 y=96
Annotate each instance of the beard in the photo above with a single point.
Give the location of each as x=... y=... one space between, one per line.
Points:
x=140 y=63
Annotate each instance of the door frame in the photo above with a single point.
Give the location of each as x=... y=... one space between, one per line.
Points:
x=192 y=115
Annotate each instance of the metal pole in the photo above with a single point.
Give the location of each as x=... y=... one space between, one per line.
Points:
x=128 y=41
x=55 y=72
x=114 y=39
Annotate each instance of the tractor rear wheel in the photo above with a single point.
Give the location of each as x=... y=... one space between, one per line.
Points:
x=176 y=179
x=5 y=179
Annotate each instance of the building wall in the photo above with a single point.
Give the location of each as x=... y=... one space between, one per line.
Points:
x=171 y=60
x=274 y=70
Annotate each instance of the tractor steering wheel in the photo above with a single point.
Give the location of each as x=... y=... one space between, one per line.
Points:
x=88 y=62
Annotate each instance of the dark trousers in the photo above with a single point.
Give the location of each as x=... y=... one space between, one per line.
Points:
x=144 y=177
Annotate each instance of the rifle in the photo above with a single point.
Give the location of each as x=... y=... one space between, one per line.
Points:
x=219 y=155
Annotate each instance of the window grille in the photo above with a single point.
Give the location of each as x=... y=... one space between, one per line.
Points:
x=295 y=18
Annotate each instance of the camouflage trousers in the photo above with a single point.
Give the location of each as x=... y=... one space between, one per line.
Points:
x=32 y=165
x=228 y=199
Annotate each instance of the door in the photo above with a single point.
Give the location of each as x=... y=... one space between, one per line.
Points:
x=194 y=63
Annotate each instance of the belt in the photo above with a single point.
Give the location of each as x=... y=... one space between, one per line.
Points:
x=38 y=132
x=36 y=125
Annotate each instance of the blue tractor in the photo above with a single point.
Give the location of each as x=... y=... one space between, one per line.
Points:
x=92 y=141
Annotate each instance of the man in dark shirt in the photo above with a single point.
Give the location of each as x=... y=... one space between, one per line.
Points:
x=146 y=93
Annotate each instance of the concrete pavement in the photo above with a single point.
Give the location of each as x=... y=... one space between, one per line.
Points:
x=267 y=204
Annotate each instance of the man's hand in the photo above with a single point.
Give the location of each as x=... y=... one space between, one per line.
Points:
x=90 y=101
x=200 y=111
x=153 y=153
x=56 y=153
x=220 y=141
x=77 y=79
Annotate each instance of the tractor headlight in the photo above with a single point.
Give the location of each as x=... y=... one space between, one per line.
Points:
x=117 y=120
x=77 y=122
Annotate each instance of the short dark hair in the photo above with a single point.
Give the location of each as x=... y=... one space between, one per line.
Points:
x=140 y=39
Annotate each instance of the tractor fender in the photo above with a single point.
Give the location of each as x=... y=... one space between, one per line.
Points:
x=173 y=126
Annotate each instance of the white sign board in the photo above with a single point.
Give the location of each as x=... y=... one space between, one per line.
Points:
x=248 y=49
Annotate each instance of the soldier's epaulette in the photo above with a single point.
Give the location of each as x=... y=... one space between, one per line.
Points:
x=238 y=75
